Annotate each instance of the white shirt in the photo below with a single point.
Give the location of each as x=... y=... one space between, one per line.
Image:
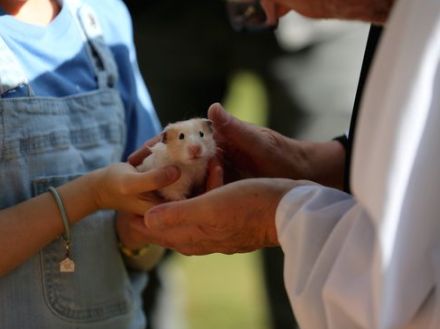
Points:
x=372 y=260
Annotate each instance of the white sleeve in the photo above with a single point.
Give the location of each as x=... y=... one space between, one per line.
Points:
x=335 y=271
x=372 y=261
x=327 y=241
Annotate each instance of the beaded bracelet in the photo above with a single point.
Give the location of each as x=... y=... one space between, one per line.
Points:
x=67 y=264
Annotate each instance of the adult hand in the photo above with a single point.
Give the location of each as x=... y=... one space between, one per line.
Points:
x=120 y=186
x=374 y=11
x=252 y=151
x=257 y=151
x=238 y=217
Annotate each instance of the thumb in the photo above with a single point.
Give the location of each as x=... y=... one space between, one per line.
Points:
x=166 y=215
x=194 y=211
x=153 y=179
x=232 y=130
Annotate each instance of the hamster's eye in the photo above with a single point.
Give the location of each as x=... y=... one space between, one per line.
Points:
x=201 y=133
x=181 y=136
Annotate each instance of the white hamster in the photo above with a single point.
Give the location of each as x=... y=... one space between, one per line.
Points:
x=189 y=145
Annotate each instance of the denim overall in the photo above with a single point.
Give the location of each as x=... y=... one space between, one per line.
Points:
x=48 y=141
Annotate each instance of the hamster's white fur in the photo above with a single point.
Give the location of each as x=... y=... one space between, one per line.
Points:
x=189 y=145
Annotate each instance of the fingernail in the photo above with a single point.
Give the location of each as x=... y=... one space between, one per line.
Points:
x=218 y=115
x=152 y=219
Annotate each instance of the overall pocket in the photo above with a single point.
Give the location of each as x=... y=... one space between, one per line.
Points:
x=99 y=288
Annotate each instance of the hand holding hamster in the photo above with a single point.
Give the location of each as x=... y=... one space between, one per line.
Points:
x=188 y=145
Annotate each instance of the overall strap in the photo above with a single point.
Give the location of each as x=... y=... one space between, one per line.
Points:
x=102 y=58
x=12 y=75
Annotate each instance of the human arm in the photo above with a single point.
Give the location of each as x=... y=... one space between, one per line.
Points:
x=32 y=224
x=374 y=11
x=261 y=152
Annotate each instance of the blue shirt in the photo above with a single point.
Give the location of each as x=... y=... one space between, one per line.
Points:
x=56 y=62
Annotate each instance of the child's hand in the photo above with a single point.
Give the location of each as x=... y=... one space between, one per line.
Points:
x=120 y=186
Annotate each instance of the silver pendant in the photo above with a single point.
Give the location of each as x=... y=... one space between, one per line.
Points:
x=67 y=265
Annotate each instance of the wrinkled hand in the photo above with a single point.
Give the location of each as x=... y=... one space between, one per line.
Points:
x=238 y=217
x=120 y=186
x=252 y=151
x=256 y=151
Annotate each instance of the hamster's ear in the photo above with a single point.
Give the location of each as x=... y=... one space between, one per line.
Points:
x=164 y=137
x=208 y=123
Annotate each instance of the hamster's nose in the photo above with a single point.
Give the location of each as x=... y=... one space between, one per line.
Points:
x=195 y=150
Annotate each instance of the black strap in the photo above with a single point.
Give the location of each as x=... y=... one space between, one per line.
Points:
x=372 y=42
x=343 y=139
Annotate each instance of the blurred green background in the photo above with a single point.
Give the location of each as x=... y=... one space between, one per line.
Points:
x=221 y=291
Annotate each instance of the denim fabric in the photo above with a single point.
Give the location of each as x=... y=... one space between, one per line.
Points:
x=48 y=141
